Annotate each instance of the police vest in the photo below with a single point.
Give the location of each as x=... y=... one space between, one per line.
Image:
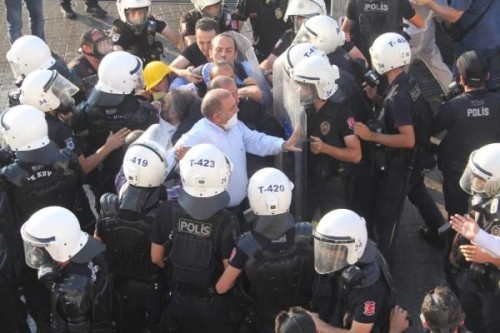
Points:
x=82 y=304
x=194 y=253
x=36 y=186
x=128 y=245
x=282 y=279
x=377 y=17
x=143 y=45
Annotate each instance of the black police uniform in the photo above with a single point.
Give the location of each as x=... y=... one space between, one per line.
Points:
x=327 y=177
x=278 y=261
x=125 y=228
x=391 y=164
x=140 y=43
x=362 y=292
x=480 y=294
x=102 y=113
x=81 y=298
x=341 y=58
x=373 y=18
x=472 y=120
x=35 y=180
x=227 y=22
x=193 y=54
x=283 y=42
x=266 y=18
x=195 y=249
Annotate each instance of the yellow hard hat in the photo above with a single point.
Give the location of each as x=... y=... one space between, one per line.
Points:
x=154 y=72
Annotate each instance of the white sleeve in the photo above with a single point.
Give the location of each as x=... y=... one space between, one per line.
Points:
x=259 y=143
x=488 y=242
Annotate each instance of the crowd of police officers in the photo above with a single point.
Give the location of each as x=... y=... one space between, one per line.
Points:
x=167 y=252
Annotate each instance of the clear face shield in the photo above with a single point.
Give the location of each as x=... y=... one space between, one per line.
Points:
x=213 y=11
x=136 y=17
x=36 y=256
x=16 y=69
x=307 y=92
x=63 y=89
x=102 y=46
x=304 y=35
x=297 y=22
x=330 y=256
x=474 y=184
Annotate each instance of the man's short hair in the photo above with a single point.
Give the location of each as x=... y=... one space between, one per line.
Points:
x=442 y=310
x=218 y=64
x=86 y=38
x=220 y=82
x=227 y=35
x=212 y=102
x=181 y=101
x=207 y=24
x=296 y=320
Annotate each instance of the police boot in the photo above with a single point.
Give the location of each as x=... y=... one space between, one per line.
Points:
x=96 y=11
x=68 y=12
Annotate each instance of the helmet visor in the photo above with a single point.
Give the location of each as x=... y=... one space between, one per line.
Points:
x=307 y=92
x=297 y=22
x=329 y=257
x=136 y=16
x=16 y=69
x=35 y=256
x=304 y=35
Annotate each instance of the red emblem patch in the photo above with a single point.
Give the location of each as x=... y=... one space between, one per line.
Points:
x=369 y=308
x=350 y=122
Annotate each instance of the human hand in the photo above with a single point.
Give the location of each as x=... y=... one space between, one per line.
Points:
x=180 y=152
x=474 y=253
x=290 y=144
x=398 y=320
x=464 y=225
x=250 y=81
x=363 y=131
x=316 y=145
x=371 y=92
x=116 y=140
x=189 y=75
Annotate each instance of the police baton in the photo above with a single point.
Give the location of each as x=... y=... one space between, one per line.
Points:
x=406 y=189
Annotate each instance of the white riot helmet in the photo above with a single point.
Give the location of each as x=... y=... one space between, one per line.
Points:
x=389 y=51
x=269 y=192
x=340 y=239
x=295 y=53
x=24 y=128
x=120 y=73
x=145 y=162
x=317 y=79
x=321 y=31
x=205 y=173
x=136 y=22
x=29 y=53
x=47 y=90
x=305 y=8
x=54 y=231
x=200 y=5
x=482 y=174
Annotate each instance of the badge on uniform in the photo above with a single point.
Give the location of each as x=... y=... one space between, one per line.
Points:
x=115 y=37
x=278 y=13
x=324 y=128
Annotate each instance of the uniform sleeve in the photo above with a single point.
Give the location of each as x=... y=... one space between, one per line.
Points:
x=65 y=139
x=401 y=110
x=442 y=119
x=238 y=258
x=160 y=25
x=228 y=236
x=369 y=304
x=78 y=120
x=407 y=11
x=259 y=143
x=281 y=45
x=162 y=224
x=488 y=242
x=351 y=10
x=243 y=9
x=347 y=119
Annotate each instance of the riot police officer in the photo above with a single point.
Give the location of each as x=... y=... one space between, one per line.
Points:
x=394 y=137
x=350 y=264
x=276 y=255
x=197 y=234
x=40 y=176
x=30 y=53
x=125 y=228
x=72 y=265
x=135 y=31
x=480 y=295
x=227 y=20
x=472 y=120
x=333 y=145
x=111 y=107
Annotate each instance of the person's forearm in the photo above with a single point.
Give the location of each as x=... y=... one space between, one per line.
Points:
x=350 y=155
x=488 y=242
x=91 y=162
x=393 y=140
x=449 y=14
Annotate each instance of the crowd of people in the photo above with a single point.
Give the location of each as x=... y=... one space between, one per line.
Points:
x=203 y=170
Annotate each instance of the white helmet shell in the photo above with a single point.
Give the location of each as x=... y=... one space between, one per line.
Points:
x=201 y=4
x=40 y=87
x=316 y=70
x=119 y=73
x=24 y=128
x=389 y=51
x=340 y=239
x=57 y=230
x=297 y=52
x=305 y=8
x=269 y=192
x=29 y=53
x=123 y=5
x=321 y=31
x=482 y=174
